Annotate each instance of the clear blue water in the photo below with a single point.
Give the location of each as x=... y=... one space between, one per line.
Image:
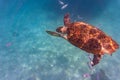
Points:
x=27 y=52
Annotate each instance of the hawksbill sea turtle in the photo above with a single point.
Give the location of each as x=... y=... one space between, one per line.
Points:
x=86 y=37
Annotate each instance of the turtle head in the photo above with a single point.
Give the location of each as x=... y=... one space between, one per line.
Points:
x=62 y=29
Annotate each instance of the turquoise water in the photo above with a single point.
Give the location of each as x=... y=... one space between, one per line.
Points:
x=27 y=52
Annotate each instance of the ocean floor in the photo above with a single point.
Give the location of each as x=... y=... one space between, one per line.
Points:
x=27 y=52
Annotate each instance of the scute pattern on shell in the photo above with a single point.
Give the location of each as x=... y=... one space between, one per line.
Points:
x=92 y=46
x=90 y=38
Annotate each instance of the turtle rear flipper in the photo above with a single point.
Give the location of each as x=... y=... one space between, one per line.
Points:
x=96 y=59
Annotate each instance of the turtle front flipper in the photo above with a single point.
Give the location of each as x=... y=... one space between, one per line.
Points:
x=96 y=59
x=53 y=33
x=57 y=34
x=66 y=20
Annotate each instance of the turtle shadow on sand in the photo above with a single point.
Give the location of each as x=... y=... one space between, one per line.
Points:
x=100 y=75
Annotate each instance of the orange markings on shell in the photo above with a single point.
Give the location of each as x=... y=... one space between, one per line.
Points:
x=90 y=38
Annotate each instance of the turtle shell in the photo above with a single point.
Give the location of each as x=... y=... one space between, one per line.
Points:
x=90 y=38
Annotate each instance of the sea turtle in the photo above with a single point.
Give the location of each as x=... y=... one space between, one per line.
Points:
x=86 y=37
